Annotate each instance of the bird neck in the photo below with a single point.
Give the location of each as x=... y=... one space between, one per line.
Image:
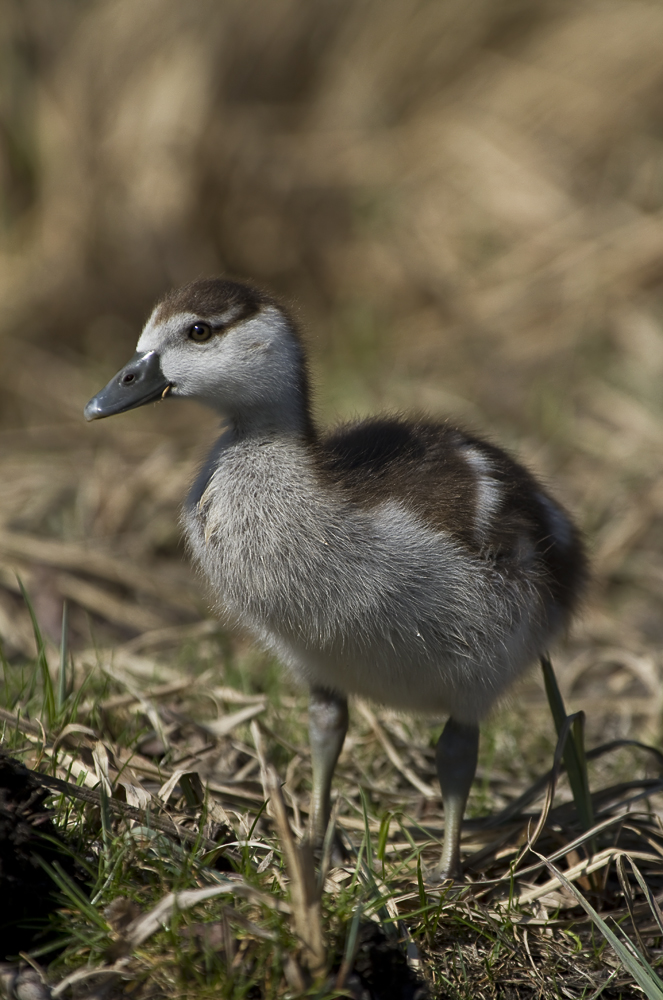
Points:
x=289 y=419
x=280 y=410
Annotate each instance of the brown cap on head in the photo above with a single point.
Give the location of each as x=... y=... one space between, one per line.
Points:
x=210 y=297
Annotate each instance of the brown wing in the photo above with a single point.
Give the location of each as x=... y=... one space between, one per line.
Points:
x=444 y=475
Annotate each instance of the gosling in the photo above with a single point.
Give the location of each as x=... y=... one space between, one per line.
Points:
x=405 y=561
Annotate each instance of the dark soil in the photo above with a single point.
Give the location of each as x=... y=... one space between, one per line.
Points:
x=27 y=892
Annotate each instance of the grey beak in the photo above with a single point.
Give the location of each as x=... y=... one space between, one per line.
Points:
x=139 y=382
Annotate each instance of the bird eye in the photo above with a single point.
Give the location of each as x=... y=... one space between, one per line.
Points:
x=200 y=332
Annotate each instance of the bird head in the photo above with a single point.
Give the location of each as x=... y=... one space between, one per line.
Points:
x=222 y=343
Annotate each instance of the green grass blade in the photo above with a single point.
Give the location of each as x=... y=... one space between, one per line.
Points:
x=106 y=824
x=649 y=895
x=69 y=889
x=367 y=830
x=350 y=949
x=603 y=987
x=383 y=836
x=355 y=874
x=574 y=750
x=64 y=655
x=578 y=736
x=632 y=960
x=42 y=662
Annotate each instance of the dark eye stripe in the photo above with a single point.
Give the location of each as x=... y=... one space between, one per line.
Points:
x=203 y=330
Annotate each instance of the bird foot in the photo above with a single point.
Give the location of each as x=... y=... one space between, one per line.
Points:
x=444 y=879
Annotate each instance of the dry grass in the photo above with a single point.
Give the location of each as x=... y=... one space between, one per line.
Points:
x=160 y=778
x=465 y=203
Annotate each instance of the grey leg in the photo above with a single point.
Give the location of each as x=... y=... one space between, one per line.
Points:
x=456 y=760
x=327 y=726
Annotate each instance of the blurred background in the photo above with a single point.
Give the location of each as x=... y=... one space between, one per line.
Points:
x=462 y=202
